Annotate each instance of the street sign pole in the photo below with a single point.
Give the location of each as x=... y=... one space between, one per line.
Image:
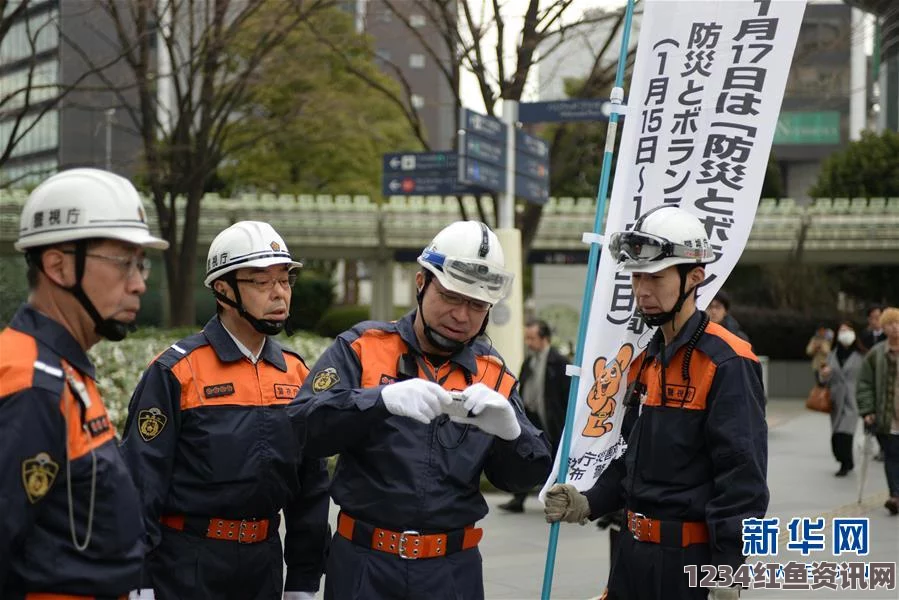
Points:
x=506 y=326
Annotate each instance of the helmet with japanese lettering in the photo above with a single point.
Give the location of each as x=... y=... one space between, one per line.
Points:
x=467 y=258
x=246 y=244
x=662 y=237
x=81 y=204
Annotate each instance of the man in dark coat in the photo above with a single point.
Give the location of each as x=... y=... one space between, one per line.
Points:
x=544 y=389
x=719 y=312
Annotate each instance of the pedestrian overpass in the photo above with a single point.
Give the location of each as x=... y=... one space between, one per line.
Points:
x=820 y=231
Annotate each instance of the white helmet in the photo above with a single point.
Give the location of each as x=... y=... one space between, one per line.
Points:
x=466 y=258
x=662 y=237
x=80 y=204
x=246 y=244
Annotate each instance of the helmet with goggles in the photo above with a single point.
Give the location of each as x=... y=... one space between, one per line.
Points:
x=466 y=258
x=662 y=237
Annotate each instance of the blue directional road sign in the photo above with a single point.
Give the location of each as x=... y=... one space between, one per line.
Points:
x=482 y=151
x=421 y=174
x=576 y=109
x=531 y=168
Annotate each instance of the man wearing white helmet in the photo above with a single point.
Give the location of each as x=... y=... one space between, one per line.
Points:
x=411 y=454
x=212 y=450
x=697 y=446
x=70 y=523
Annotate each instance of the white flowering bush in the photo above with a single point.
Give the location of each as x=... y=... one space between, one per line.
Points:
x=121 y=364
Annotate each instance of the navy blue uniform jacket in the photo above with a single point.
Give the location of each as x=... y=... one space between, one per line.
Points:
x=395 y=472
x=207 y=436
x=702 y=454
x=51 y=413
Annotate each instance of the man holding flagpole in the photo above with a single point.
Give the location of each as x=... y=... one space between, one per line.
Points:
x=696 y=458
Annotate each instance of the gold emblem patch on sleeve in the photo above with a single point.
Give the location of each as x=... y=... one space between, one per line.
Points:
x=150 y=423
x=38 y=474
x=325 y=379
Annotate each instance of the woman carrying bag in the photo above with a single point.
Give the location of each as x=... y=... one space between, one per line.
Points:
x=839 y=374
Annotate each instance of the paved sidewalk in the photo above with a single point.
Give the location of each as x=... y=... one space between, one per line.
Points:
x=800 y=475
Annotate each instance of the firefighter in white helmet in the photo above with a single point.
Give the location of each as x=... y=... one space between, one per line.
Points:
x=412 y=453
x=697 y=445
x=211 y=448
x=70 y=523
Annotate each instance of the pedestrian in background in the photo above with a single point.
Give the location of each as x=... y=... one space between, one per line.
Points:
x=873 y=332
x=819 y=346
x=544 y=385
x=840 y=374
x=878 y=400
x=719 y=312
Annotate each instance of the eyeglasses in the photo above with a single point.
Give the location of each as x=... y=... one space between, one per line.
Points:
x=266 y=285
x=129 y=265
x=457 y=300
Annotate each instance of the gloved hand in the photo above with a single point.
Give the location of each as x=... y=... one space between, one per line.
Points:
x=491 y=412
x=298 y=596
x=730 y=593
x=416 y=398
x=564 y=503
x=142 y=594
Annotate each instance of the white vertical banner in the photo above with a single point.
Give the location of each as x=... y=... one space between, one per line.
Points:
x=702 y=107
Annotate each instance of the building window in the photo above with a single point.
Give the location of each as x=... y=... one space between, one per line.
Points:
x=34 y=35
x=417 y=61
x=417 y=21
x=418 y=102
x=43 y=85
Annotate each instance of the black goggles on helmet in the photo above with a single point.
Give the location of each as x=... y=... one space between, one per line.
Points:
x=639 y=247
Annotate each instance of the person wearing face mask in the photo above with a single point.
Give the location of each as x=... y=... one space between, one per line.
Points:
x=212 y=450
x=70 y=523
x=840 y=373
x=412 y=453
x=697 y=444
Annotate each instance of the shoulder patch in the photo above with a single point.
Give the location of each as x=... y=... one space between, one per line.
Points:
x=38 y=475
x=150 y=423
x=325 y=379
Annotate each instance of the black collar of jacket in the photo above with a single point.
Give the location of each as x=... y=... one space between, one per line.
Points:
x=683 y=336
x=227 y=350
x=465 y=358
x=52 y=334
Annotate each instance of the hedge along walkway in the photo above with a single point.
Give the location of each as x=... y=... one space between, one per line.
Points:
x=121 y=364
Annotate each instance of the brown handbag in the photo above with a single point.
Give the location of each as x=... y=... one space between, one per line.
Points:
x=819 y=399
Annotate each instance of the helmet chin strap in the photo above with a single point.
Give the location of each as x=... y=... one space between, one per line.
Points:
x=263 y=326
x=435 y=338
x=659 y=319
x=111 y=329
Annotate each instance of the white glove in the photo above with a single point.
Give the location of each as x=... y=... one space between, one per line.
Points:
x=142 y=594
x=298 y=596
x=492 y=412
x=729 y=593
x=416 y=398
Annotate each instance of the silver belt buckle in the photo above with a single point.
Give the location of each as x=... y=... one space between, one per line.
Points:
x=407 y=537
x=636 y=524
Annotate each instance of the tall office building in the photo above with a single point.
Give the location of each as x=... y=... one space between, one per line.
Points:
x=886 y=58
x=431 y=94
x=59 y=44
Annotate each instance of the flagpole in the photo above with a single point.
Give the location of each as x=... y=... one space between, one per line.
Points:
x=617 y=97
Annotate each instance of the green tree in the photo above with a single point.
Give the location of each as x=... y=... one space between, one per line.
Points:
x=864 y=169
x=324 y=135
